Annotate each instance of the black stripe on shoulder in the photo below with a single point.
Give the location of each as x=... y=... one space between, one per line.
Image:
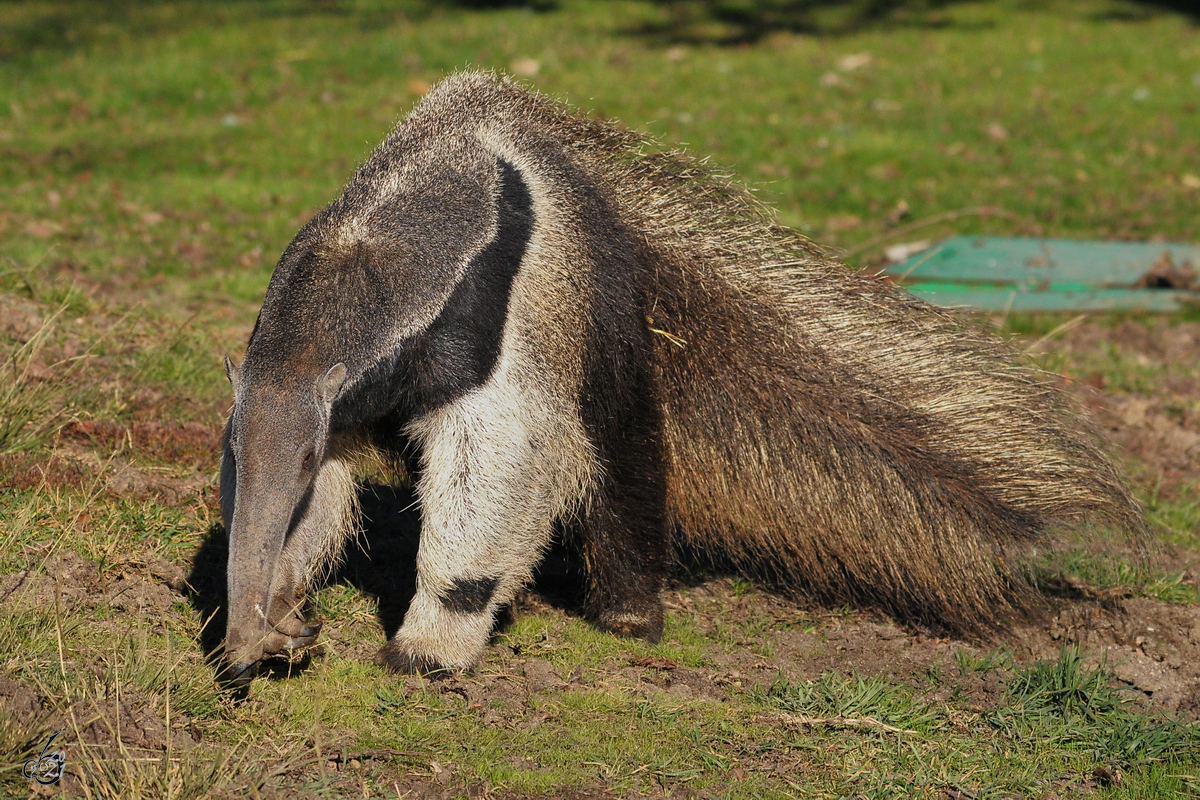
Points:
x=462 y=346
x=459 y=350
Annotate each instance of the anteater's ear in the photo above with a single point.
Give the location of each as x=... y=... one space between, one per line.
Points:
x=232 y=372
x=329 y=386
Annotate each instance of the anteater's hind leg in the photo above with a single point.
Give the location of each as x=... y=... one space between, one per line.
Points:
x=620 y=534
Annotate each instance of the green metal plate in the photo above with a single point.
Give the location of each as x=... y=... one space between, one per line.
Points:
x=996 y=273
x=998 y=298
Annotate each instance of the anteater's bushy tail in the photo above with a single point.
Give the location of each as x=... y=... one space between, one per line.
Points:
x=865 y=445
x=838 y=433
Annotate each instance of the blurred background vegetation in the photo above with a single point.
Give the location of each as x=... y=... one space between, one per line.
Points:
x=225 y=123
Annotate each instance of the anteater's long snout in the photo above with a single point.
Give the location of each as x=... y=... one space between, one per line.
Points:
x=257 y=532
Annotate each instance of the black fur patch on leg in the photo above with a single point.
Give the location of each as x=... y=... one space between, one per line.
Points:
x=400 y=660
x=469 y=596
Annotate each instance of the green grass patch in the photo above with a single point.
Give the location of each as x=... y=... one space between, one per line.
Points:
x=1177 y=518
x=1113 y=574
x=1077 y=707
x=1057 y=717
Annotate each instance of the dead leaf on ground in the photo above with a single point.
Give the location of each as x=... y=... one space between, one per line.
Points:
x=849 y=63
x=1165 y=275
x=525 y=67
x=43 y=228
x=842 y=222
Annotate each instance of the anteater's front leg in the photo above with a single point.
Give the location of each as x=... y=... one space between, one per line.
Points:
x=330 y=517
x=497 y=467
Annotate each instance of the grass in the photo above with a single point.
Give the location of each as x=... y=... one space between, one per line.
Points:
x=1103 y=573
x=28 y=414
x=1054 y=712
x=1077 y=707
x=197 y=168
x=156 y=157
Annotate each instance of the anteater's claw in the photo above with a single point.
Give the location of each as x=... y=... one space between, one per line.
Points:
x=240 y=674
x=305 y=638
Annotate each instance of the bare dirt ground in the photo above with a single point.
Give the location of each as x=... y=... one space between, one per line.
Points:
x=1152 y=647
x=1160 y=427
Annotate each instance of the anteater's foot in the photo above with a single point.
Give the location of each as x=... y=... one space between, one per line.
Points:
x=640 y=623
x=399 y=659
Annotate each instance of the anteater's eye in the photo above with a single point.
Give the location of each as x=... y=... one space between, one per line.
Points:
x=307 y=463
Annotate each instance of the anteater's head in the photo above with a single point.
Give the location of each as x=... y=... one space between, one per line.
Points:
x=275 y=442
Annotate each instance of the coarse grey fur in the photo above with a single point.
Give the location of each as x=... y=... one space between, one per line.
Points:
x=570 y=330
